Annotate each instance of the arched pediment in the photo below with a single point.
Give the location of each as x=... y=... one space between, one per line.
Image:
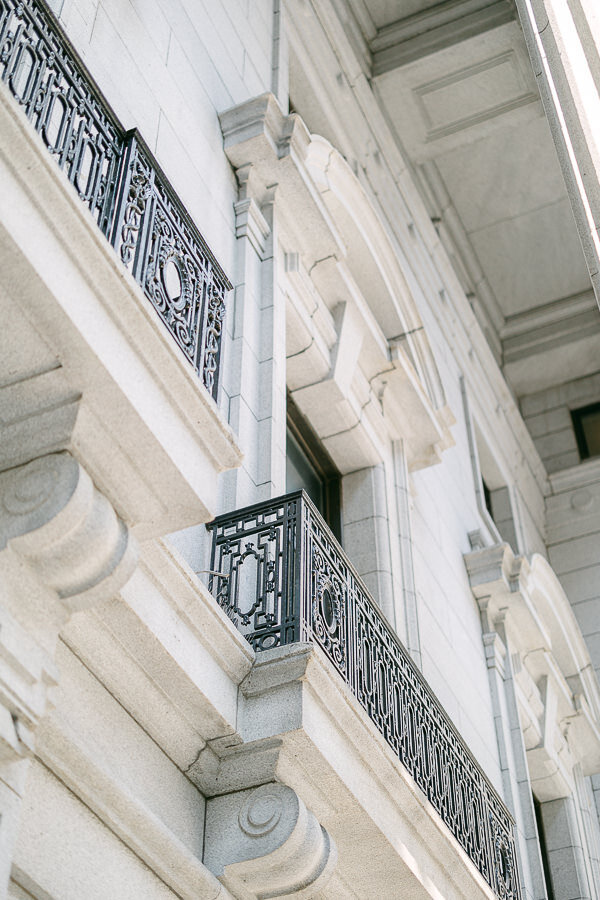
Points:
x=373 y=259
x=359 y=363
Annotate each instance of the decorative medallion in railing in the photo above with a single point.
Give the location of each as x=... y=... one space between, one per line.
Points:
x=284 y=578
x=117 y=177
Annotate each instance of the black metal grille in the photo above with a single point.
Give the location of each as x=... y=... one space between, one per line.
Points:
x=289 y=580
x=117 y=177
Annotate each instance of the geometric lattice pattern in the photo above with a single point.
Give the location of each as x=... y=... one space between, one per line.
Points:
x=287 y=579
x=118 y=179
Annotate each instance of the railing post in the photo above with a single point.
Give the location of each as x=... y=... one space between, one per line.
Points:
x=134 y=188
x=302 y=582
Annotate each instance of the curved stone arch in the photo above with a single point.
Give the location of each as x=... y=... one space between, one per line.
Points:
x=568 y=644
x=373 y=260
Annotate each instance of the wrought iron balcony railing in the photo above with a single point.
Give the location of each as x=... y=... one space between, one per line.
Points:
x=287 y=579
x=117 y=177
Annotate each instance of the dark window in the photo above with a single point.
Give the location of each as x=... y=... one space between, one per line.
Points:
x=586 y=423
x=309 y=466
x=543 y=848
x=487 y=497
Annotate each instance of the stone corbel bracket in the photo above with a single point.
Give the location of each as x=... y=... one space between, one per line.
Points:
x=62 y=549
x=258 y=134
x=377 y=376
x=55 y=522
x=558 y=696
x=264 y=842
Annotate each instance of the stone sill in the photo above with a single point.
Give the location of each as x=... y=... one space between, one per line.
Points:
x=585 y=473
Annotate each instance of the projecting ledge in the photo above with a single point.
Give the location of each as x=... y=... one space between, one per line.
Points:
x=299 y=725
x=97 y=369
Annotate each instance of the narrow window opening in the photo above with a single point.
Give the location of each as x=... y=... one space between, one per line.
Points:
x=309 y=466
x=586 y=424
x=487 y=496
x=543 y=848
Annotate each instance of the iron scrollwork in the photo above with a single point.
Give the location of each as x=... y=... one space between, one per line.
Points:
x=117 y=177
x=303 y=587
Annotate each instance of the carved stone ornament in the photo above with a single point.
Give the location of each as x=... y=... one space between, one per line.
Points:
x=264 y=842
x=67 y=532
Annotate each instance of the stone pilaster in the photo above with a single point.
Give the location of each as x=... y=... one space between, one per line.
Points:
x=256 y=341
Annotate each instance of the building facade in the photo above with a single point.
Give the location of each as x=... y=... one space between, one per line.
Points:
x=300 y=449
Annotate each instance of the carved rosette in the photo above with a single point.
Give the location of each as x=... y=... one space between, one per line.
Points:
x=328 y=609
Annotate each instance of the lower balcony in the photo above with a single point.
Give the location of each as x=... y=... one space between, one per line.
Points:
x=282 y=578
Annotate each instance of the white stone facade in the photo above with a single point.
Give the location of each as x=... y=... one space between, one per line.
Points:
x=390 y=189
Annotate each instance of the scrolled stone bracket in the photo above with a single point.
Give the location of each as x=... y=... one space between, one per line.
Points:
x=264 y=842
x=62 y=549
x=55 y=520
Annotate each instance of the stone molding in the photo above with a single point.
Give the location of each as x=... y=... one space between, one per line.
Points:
x=27 y=676
x=62 y=549
x=565 y=73
x=266 y=843
x=557 y=692
x=168 y=653
x=65 y=530
x=365 y=356
x=435 y=29
x=137 y=826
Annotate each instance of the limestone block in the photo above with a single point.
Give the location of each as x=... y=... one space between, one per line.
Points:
x=265 y=842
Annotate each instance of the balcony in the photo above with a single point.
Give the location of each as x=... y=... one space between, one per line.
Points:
x=282 y=578
x=118 y=179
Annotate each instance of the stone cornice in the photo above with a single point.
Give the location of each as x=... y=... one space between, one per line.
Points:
x=293 y=707
x=435 y=29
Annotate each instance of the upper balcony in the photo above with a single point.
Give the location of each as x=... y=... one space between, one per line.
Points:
x=118 y=178
x=112 y=300
x=283 y=578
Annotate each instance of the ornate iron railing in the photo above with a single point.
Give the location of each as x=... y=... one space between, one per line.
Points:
x=117 y=177
x=284 y=578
